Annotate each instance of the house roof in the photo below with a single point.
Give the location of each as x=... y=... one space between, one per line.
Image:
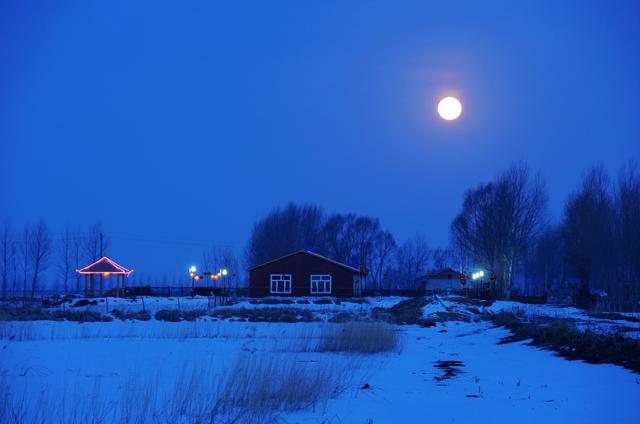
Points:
x=444 y=274
x=104 y=265
x=307 y=252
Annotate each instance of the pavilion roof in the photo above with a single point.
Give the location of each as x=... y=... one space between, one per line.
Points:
x=104 y=265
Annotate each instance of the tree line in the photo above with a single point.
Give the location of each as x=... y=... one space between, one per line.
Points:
x=503 y=227
x=356 y=240
x=25 y=256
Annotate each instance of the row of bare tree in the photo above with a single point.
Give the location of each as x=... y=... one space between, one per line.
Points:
x=26 y=256
x=595 y=247
x=352 y=239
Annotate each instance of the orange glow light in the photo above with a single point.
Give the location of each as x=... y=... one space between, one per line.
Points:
x=197 y=277
x=191 y=274
x=106 y=274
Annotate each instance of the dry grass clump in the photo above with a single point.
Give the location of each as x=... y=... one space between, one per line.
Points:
x=254 y=389
x=261 y=385
x=266 y=314
x=358 y=337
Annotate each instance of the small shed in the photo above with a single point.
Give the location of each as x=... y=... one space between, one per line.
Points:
x=302 y=273
x=444 y=280
x=104 y=268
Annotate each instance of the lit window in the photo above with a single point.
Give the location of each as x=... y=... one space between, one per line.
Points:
x=320 y=284
x=280 y=283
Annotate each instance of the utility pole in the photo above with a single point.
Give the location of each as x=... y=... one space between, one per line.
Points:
x=101 y=256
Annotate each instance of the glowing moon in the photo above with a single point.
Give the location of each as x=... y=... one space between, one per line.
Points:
x=449 y=108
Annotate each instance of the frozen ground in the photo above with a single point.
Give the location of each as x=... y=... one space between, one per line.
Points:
x=106 y=365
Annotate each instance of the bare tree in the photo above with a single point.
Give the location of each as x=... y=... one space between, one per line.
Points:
x=65 y=259
x=587 y=230
x=627 y=234
x=284 y=230
x=412 y=261
x=500 y=220
x=39 y=250
x=96 y=243
x=8 y=250
x=77 y=245
x=24 y=256
x=384 y=245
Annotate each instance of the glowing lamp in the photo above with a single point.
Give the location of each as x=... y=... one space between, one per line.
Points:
x=192 y=269
x=213 y=277
x=224 y=271
x=106 y=274
x=197 y=277
x=191 y=274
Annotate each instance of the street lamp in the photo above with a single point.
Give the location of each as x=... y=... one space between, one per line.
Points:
x=192 y=274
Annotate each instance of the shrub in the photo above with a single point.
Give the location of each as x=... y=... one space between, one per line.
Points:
x=140 y=316
x=82 y=316
x=171 y=315
x=25 y=313
x=194 y=314
x=84 y=302
x=343 y=317
x=266 y=314
x=358 y=336
x=406 y=312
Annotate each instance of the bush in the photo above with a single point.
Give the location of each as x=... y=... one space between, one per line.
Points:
x=360 y=337
x=194 y=314
x=406 y=312
x=25 y=313
x=172 y=315
x=343 y=317
x=139 y=316
x=266 y=314
x=271 y=301
x=84 y=302
x=82 y=316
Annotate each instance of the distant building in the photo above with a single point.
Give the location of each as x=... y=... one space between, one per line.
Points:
x=303 y=273
x=442 y=281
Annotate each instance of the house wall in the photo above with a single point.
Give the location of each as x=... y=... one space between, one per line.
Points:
x=301 y=266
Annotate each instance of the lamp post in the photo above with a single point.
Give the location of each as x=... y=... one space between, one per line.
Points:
x=192 y=274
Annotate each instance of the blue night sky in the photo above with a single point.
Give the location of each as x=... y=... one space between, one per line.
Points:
x=179 y=124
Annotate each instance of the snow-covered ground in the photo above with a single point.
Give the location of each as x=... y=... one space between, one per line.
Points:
x=107 y=364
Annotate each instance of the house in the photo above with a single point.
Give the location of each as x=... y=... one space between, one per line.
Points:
x=444 y=280
x=302 y=273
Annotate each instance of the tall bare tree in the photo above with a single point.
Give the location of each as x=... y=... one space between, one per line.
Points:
x=284 y=230
x=587 y=230
x=39 y=251
x=412 y=261
x=500 y=221
x=65 y=259
x=7 y=252
x=384 y=244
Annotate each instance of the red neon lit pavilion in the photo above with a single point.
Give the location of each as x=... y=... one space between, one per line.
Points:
x=104 y=267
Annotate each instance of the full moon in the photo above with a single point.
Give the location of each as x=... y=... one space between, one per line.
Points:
x=449 y=108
